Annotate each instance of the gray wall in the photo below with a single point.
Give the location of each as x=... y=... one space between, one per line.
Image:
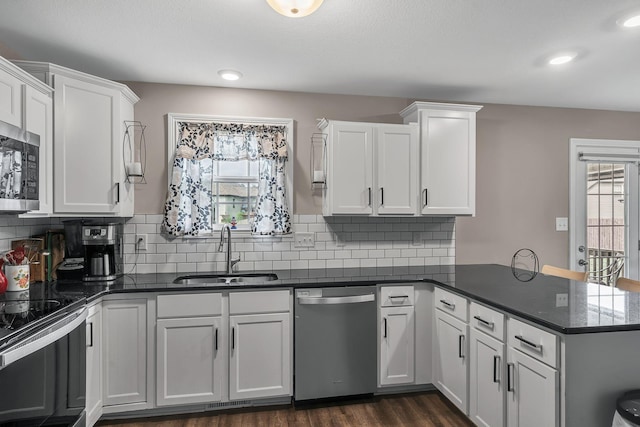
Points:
x=522 y=158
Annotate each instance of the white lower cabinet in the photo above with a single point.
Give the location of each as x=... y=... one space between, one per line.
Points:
x=486 y=380
x=451 y=362
x=189 y=362
x=260 y=356
x=124 y=354
x=94 y=364
x=397 y=335
x=532 y=378
x=215 y=347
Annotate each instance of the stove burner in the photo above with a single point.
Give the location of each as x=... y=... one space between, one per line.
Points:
x=17 y=313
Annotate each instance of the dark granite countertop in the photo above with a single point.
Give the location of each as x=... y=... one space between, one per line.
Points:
x=562 y=305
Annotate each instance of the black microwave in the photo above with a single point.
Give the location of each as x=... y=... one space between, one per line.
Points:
x=19 y=169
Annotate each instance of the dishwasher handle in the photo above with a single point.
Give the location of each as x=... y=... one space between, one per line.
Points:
x=350 y=299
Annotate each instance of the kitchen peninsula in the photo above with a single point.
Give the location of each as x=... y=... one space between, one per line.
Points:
x=567 y=348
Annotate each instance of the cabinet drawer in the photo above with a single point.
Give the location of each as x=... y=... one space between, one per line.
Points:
x=189 y=305
x=487 y=320
x=535 y=342
x=451 y=303
x=391 y=296
x=259 y=302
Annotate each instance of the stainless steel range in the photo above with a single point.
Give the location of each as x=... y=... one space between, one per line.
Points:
x=42 y=358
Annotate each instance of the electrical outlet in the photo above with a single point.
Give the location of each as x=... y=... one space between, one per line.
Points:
x=562 y=300
x=417 y=238
x=562 y=224
x=304 y=240
x=141 y=242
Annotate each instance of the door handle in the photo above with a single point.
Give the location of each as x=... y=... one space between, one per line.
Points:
x=233 y=338
x=117 y=193
x=385 y=327
x=460 y=346
x=426 y=195
x=510 y=374
x=90 y=325
x=381 y=196
x=496 y=364
x=215 y=339
x=369 y=196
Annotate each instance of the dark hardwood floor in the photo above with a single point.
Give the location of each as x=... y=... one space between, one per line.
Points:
x=429 y=409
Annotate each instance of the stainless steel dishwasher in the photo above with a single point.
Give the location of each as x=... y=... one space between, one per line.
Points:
x=335 y=342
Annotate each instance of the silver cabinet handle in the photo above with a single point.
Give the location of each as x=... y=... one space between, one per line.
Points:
x=426 y=195
x=385 y=327
x=215 y=339
x=233 y=338
x=460 y=346
x=381 y=196
x=510 y=373
x=369 y=196
x=483 y=322
x=496 y=365
x=536 y=347
x=398 y=296
x=351 y=299
x=117 y=193
x=449 y=305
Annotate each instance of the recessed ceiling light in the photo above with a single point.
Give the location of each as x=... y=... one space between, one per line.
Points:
x=230 y=74
x=630 y=21
x=562 y=59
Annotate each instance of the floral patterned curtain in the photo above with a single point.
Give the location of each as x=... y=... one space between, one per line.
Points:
x=188 y=209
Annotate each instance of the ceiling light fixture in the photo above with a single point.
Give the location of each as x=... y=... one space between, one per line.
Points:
x=295 y=8
x=562 y=59
x=230 y=74
x=630 y=22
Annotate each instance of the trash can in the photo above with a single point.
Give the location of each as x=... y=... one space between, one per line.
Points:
x=627 y=410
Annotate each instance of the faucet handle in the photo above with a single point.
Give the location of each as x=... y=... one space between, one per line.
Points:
x=235 y=261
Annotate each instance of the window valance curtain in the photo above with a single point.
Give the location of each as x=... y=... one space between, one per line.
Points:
x=188 y=209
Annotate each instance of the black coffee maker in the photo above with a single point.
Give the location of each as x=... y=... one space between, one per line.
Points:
x=102 y=251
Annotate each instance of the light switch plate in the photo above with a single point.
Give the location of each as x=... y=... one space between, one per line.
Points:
x=562 y=224
x=303 y=240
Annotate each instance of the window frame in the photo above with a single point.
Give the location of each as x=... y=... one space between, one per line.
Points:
x=174 y=118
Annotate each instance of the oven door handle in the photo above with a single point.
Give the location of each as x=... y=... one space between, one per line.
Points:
x=43 y=338
x=350 y=299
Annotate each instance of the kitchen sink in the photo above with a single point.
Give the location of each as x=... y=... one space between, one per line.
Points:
x=218 y=279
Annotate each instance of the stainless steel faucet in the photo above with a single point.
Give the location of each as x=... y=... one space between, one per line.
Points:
x=228 y=261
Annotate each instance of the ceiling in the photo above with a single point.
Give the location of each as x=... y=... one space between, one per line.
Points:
x=480 y=51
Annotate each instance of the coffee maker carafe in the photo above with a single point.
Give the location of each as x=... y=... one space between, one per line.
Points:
x=102 y=252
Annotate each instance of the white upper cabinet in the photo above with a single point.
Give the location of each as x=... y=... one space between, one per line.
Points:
x=372 y=168
x=89 y=115
x=447 y=156
x=10 y=95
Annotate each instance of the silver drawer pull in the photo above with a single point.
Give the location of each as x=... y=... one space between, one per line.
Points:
x=398 y=296
x=448 y=304
x=536 y=347
x=486 y=323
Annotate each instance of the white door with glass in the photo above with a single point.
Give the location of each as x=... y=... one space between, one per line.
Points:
x=604 y=208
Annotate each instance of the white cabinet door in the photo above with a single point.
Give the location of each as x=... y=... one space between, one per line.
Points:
x=94 y=365
x=350 y=169
x=189 y=362
x=532 y=392
x=10 y=98
x=124 y=351
x=486 y=380
x=450 y=361
x=87 y=158
x=38 y=118
x=397 y=345
x=448 y=162
x=397 y=169
x=260 y=356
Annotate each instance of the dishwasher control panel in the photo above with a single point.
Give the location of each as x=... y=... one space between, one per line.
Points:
x=317 y=292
